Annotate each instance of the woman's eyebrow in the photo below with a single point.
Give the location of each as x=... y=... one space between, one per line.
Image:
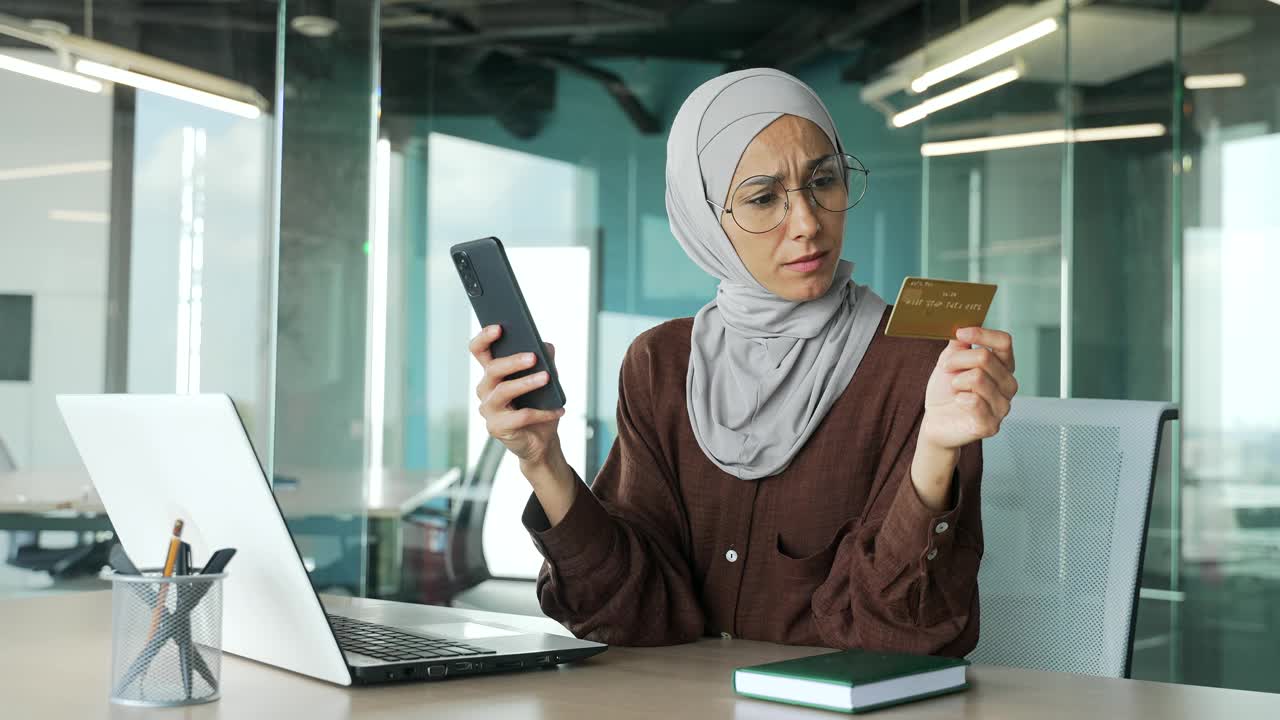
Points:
x=815 y=162
x=809 y=167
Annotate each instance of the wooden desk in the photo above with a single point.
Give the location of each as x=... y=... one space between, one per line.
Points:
x=55 y=657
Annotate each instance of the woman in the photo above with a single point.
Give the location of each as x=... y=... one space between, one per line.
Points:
x=783 y=470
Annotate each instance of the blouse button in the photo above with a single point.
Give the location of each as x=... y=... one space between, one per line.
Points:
x=731 y=556
x=932 y=554
x=726 y=636
x=941 y=527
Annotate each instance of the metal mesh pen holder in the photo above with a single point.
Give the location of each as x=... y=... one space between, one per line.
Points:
x=166 y=639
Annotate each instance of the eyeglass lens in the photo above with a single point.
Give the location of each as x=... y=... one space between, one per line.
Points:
x=760 y=203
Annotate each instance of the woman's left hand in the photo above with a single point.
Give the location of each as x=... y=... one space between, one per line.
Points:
x=970 y=390
x=967 y=398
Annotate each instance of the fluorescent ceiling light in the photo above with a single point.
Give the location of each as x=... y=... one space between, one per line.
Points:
x=315 y=26
x=1210 y=82
x=80 y=216
x=1043 y=137
x=1117 y=132
x=164 y=87
x=990 y=52
x=951 y=97
x=41 y=171
x=44 y=72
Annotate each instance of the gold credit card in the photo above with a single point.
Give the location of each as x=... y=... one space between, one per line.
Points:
x=936 y=309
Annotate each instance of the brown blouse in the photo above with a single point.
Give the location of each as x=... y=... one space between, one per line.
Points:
x=836 y=550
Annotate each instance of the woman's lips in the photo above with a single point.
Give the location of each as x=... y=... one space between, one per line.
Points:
x=807 y=266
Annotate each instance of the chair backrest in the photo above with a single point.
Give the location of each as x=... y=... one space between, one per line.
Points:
x=1066 y=492
x=466 y=565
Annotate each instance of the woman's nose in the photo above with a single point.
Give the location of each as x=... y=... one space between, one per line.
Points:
x=802 y=221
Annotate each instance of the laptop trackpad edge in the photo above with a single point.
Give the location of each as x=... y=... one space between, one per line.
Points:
x=467 y=630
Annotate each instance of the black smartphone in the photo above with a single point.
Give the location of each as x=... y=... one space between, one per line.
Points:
x=496 y=298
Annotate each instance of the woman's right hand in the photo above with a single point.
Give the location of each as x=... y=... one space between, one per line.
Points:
x=530 y=434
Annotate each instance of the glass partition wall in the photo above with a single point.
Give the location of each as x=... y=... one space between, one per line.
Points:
x=1227 y=242
x=326 y=464
x=1056 y=185
x=135 y=243
x=1105 y=166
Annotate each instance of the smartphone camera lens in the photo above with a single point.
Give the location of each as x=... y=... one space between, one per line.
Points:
x=470 y=280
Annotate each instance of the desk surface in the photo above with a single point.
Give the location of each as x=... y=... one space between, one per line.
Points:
x=56 y=651
x=317 y=492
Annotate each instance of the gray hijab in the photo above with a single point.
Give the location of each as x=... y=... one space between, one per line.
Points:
x=763 y=370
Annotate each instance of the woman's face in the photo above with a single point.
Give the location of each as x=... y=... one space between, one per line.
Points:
x=797 y=259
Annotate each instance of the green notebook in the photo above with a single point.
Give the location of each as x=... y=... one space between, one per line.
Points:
x=852 y=681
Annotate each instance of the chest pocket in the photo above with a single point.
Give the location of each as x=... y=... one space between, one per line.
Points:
x=813 y=566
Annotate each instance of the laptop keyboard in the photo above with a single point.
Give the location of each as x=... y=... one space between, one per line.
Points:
x=386 y=643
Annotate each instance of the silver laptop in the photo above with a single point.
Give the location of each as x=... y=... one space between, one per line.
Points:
x=156 y=458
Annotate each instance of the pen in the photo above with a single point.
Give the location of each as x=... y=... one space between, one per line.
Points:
x=218 y=561
x=175 y=547
x=183 y=564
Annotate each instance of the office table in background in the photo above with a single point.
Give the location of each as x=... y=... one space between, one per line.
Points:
x=64 y=499
x=55 y=658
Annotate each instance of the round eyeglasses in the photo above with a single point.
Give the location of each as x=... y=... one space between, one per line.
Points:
x=760 y=203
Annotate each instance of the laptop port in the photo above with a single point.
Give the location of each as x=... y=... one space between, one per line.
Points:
x=461 y=667
x=508 y=665
x=545 y=660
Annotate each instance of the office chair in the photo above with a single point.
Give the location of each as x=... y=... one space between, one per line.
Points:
x=473 y=586
x=464 y=563
x=1066 y=495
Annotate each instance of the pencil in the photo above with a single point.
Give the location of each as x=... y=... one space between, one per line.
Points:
x=175 y=546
